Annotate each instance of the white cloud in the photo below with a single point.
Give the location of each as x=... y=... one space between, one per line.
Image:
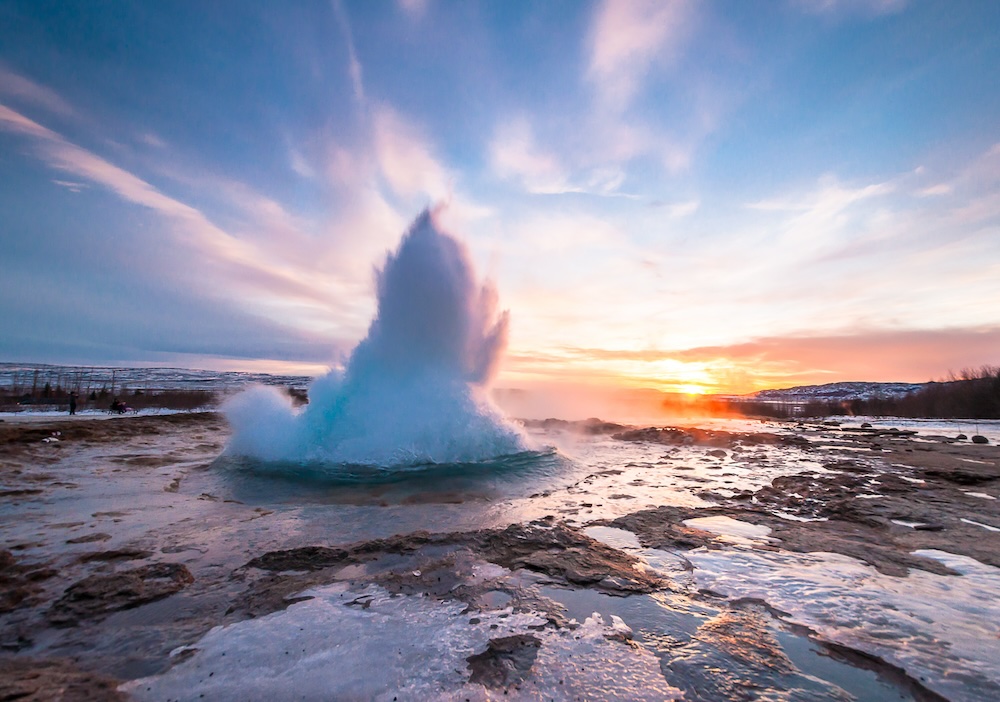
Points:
x=626 y=37
x=405 y=160
x=195 y=230
x=515 y=155
x=935 y=190
x=974 y=187
x=354 y=68
x=70 y=185
x=17 y=86
x=563 y=232
x=829 y=198
x=414 y=8
x=842 y=8
x=299 y=164
x=684 y=209
x=154 y=140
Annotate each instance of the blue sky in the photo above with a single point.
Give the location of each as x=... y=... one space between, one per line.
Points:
x=684 y=195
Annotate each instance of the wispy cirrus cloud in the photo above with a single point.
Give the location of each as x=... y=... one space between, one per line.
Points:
x=979 y=183
x=907 y=355
x=414 y=8
x=354 y=67
x=195 y=229
x=828 y=199
x=628 y=44
x=627 y=38
x=72 y=186
x=14 y=85
x=515 y=155
x=405 y=160
x=851 y=8
x=679 y=210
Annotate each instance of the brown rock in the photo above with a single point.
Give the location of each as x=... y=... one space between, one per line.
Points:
x=505 y=661
x=53 y=680
x=99 y=595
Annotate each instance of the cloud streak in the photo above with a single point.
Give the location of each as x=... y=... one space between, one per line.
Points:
x=17 y=86
x=354 y=69
x=626 y=39
x=195 y=229
x=405 y=160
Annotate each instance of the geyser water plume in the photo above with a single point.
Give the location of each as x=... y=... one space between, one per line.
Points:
x=414 y=391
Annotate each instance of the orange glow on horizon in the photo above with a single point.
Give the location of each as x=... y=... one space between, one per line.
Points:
x=912 y=356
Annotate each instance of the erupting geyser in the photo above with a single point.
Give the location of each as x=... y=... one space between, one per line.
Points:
x=414 y=391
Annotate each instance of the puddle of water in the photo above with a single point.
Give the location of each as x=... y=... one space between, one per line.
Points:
x=613 y=537
x=668 y=624
x=727 y=526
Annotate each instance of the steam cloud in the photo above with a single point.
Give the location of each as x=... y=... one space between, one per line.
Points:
x=414 y=391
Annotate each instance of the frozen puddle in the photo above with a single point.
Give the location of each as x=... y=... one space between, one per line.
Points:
x=940 y=629
x=370 y=645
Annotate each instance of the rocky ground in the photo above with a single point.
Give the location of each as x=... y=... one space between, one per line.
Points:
x=921 y=494
x=92 y=601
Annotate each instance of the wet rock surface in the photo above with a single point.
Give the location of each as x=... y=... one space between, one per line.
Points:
x=847 y=514
x=429 y=564
x=506 y=661
x=99 y=595
x=692 y=436
x=565 y=554
x=53 y=680
x=736 y=656
x=916 y=497
x=592 y=426
x=20 y=583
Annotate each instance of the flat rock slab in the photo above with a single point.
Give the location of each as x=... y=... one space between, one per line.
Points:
x=505 y=661
x=20 y=583
x=99 y=595
x=51 y=680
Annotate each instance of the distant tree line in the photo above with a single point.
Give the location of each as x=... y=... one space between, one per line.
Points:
x=48 y=397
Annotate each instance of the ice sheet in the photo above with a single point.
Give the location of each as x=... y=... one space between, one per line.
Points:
x=941 y=629
x=374 y=646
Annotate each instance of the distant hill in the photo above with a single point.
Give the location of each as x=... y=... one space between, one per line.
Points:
x=838 y=392
x=16 y=378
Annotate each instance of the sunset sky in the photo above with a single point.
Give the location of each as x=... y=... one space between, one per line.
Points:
x=693 y=196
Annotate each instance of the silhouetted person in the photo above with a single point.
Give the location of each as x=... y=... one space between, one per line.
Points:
x=72 y=403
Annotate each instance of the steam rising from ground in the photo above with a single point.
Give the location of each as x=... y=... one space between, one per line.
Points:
x=414 y=390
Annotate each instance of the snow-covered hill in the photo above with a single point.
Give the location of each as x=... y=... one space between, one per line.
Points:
x=836 y=392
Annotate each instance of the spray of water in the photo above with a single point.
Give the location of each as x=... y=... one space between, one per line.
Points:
x=414 y=391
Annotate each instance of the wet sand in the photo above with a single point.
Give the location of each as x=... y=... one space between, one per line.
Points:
x=121 y=544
